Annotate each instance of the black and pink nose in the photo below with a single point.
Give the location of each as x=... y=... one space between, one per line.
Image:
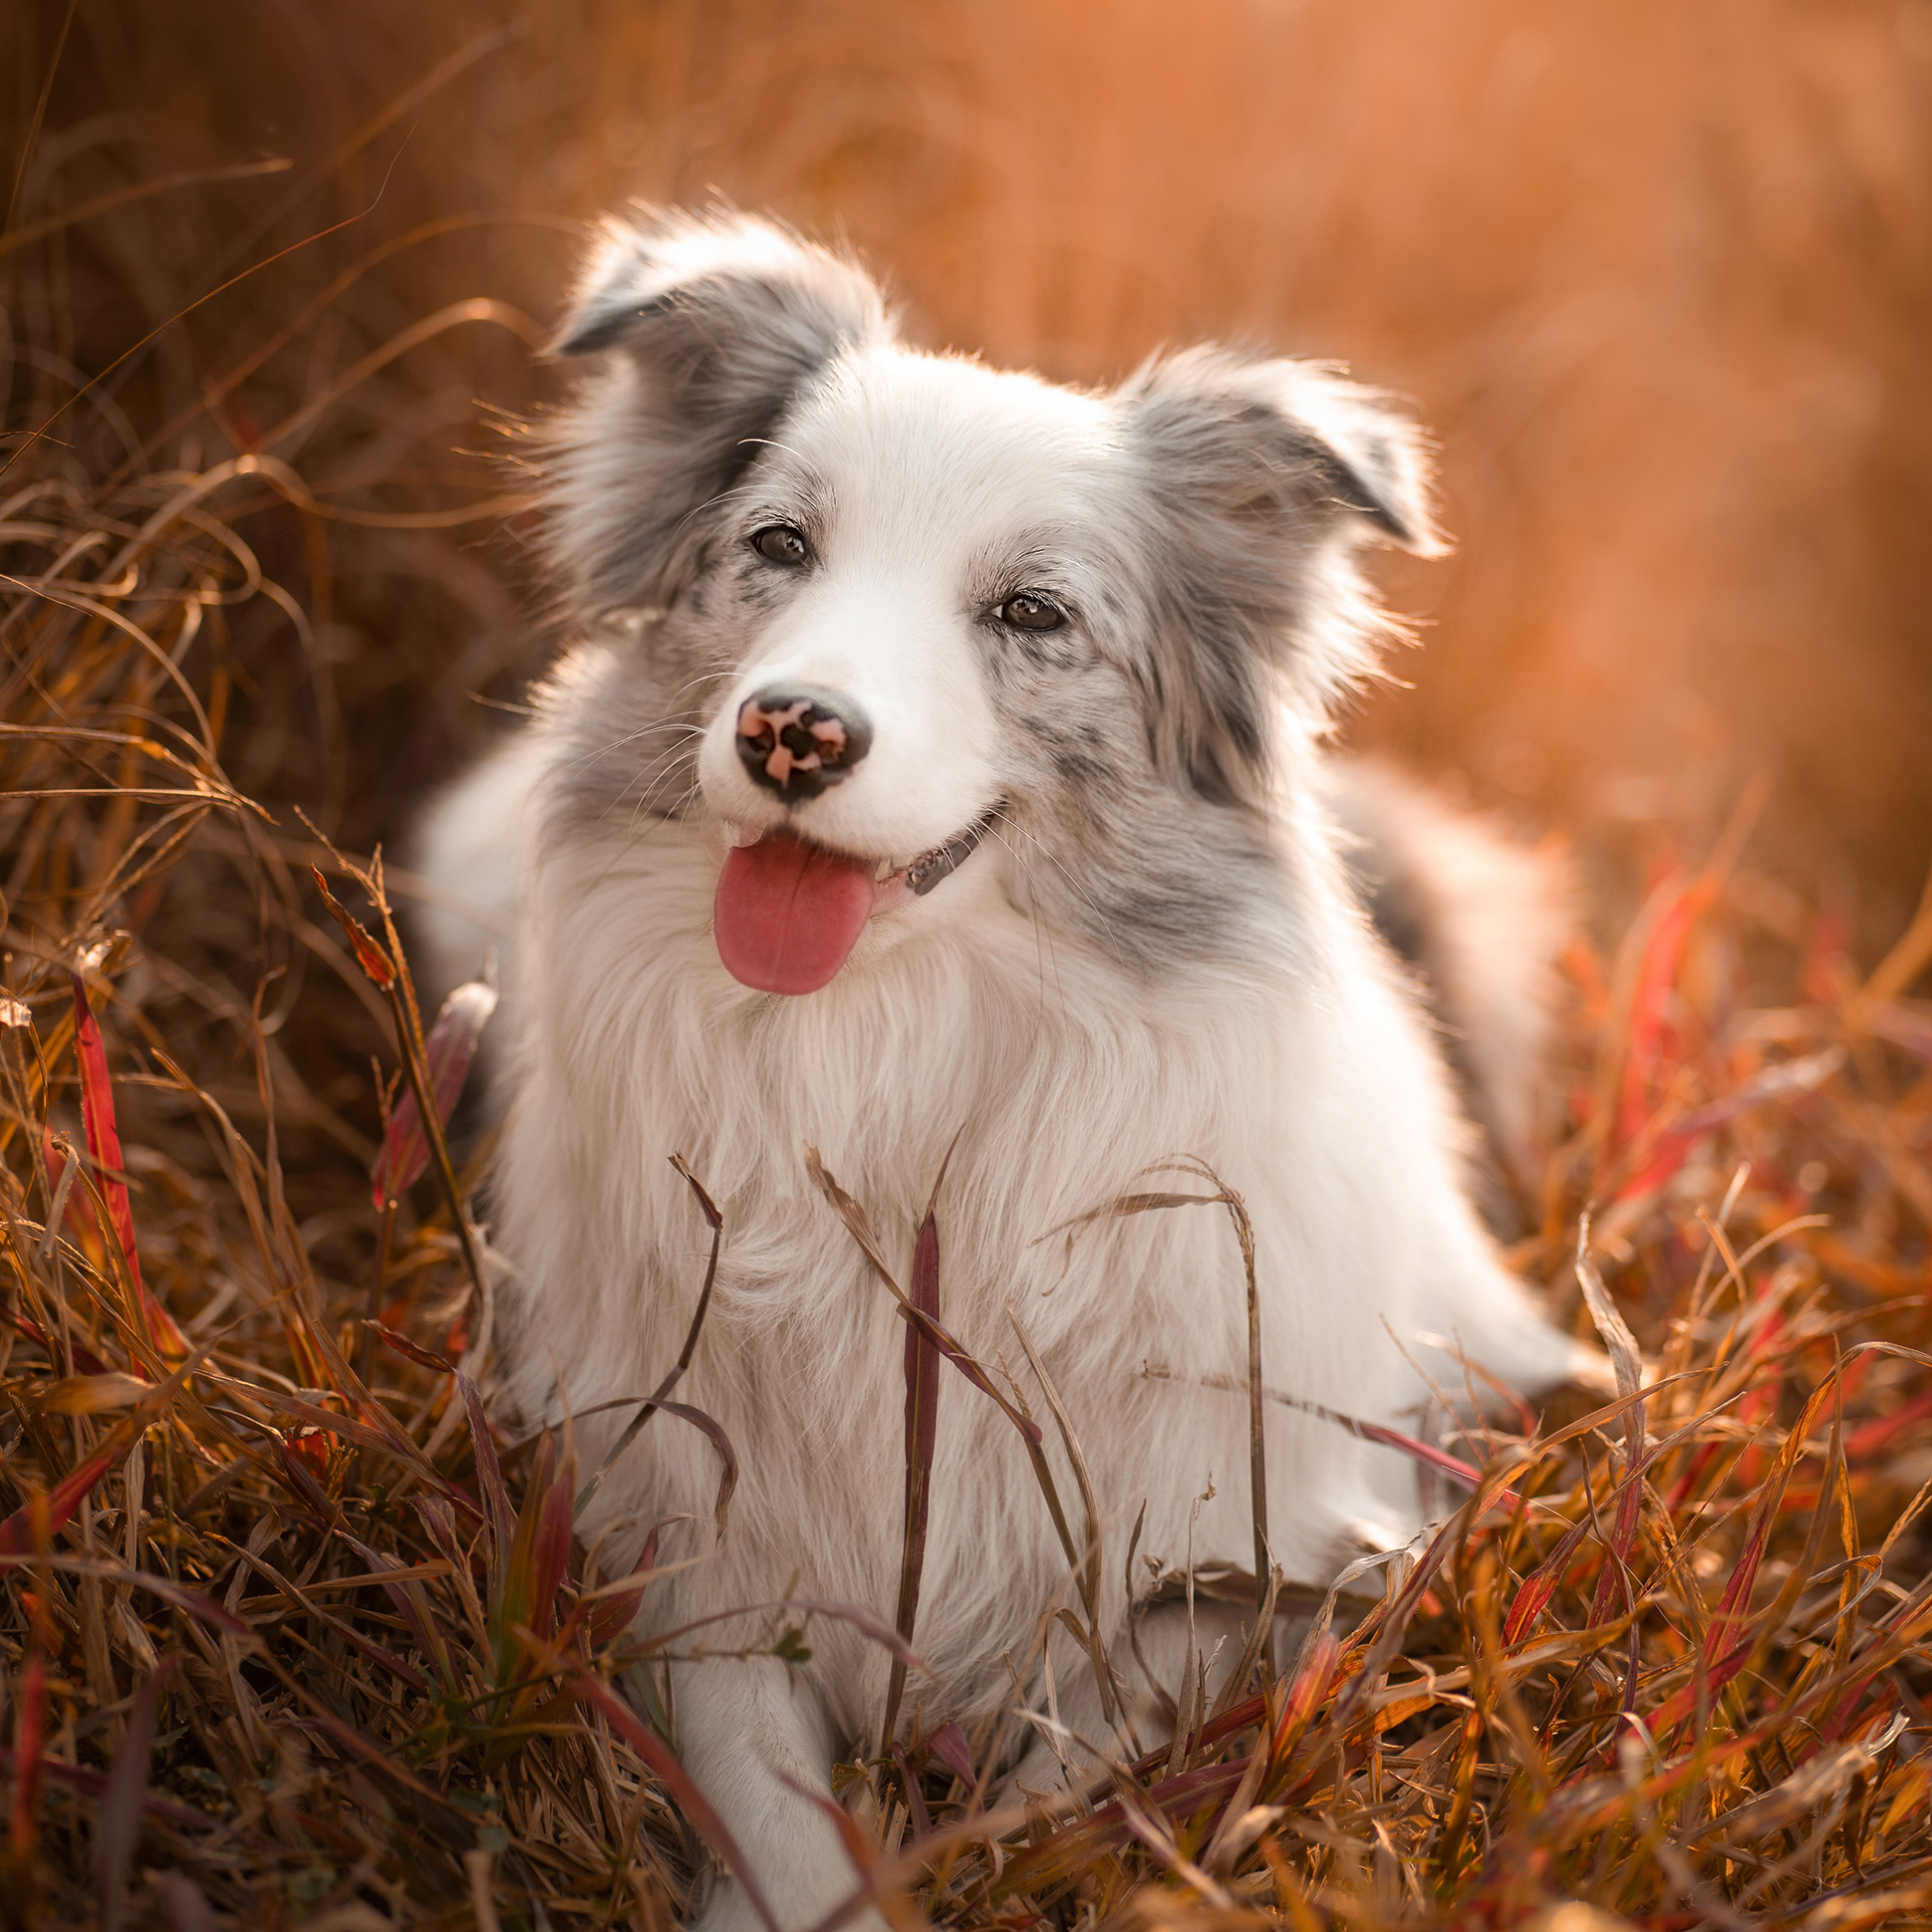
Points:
x=799 y=739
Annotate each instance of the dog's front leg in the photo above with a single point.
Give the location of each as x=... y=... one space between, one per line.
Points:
x=753 y=1734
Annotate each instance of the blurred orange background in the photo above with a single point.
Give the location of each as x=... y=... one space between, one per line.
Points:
x=1657 y=275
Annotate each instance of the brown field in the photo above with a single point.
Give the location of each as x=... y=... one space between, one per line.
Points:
x=271 y=277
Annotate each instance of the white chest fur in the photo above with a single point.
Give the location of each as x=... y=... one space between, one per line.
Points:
x=1060 y=1087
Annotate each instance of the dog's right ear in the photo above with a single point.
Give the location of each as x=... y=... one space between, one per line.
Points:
x=709 y=327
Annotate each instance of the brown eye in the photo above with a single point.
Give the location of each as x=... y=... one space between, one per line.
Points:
x=780 y=543
x=1029 y=611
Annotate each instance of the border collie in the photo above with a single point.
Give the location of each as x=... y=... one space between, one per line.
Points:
x=937 y=779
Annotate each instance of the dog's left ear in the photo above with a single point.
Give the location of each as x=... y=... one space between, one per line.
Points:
x=1262 y=478
x=1375 y=459
x=1290 y=443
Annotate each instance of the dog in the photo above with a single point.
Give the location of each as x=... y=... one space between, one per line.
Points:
x=937 y=779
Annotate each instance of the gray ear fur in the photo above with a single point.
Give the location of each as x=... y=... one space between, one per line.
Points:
x=1294 y=438
x=709 y=327
x=1262 y=478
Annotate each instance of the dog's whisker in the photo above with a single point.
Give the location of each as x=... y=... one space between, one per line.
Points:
x=1079 y=891
x=685 y=748
x=666 y=721
x=643 y=811
x=670 y=722
x=646 y=779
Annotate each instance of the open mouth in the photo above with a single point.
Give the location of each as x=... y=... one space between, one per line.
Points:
x=788 y=913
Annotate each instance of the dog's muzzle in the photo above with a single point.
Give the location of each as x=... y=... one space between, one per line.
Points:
x=799 y=739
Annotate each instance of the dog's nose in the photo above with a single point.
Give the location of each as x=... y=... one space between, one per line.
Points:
x=796 y=740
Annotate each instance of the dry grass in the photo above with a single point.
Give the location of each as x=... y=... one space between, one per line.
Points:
x=290 y=1638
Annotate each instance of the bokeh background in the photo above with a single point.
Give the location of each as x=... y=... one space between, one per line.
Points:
x=1657 y=276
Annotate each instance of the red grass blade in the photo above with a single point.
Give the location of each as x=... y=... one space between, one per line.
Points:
x=1535 y=1592
x=550 y=1547
x=93 y=1783
x=1672 y=1143
x=1623 y=1534
x=921 y=1434
x=370 y=956
x=527 y=1581
x=192 y=1601
x=1648 y=1041
x=1864 y=1442
x=489 y=1470
x=103 y=1143
x=299 y=1469
x=377 y=1653
x=124 y=1800
x=714 y=1432
x=23 y=1820
x=1728 y=1641
x=915 y=1797
x=949 y=1746
x=411 y=1351
x=1425 y=1452
x=1065 y=1851
x=608 y=1617
x=34 y=1522
x=85 y=1359
x=450 y=1047
x=406 y=1594
x=1304 y=1697
x=867 y=1858
x=860 y=1227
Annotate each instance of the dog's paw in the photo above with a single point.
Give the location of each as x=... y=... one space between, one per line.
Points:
x=727 y=1908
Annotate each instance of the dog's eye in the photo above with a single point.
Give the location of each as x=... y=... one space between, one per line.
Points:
x=780 y=543
x=1029 y=611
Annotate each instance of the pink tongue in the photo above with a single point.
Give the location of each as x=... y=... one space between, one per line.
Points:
x=787 y=915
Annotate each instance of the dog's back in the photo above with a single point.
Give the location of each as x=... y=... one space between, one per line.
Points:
x=1482 y=922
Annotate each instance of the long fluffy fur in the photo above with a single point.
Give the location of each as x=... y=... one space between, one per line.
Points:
x=1483 y=922
x=1157 y=954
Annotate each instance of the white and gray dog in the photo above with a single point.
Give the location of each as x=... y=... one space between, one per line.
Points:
x=939 y=764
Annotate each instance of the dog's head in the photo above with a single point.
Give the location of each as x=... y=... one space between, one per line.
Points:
x=884 y=603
